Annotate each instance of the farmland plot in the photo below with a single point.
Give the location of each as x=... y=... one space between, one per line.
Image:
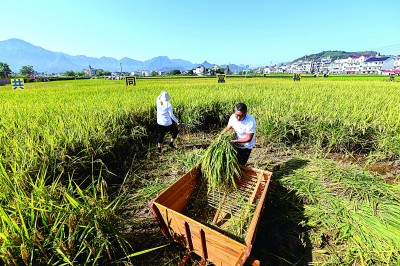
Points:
x=79 y=130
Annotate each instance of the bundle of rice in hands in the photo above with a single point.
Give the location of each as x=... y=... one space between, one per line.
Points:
x=219 y=164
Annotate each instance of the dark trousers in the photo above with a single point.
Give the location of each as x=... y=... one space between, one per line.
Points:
x=162 y=130
x=243 y=155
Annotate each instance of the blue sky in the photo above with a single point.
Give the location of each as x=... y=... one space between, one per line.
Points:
x=258 y=32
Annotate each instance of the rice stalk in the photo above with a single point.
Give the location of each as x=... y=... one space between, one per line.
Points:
x=219 y=164
x=353 y=208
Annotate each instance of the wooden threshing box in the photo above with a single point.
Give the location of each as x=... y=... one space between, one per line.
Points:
x=211 y=240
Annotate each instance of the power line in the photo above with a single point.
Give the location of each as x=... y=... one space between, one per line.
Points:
x=388 y=46
x=394 y=48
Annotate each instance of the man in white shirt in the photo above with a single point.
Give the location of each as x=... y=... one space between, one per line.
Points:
x=244 y=126
x=165 y=116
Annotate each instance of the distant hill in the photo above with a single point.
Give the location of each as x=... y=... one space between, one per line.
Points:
x=17 y=53
x=334 y=55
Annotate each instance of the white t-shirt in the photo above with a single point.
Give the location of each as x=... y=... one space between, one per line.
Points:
x=165 y=114
x=247 y=125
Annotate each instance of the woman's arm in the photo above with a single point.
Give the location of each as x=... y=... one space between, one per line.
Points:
x=171 y=114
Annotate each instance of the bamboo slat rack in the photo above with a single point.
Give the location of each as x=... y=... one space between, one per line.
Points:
x=211 y=242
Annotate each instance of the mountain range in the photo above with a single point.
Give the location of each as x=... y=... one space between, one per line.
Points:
x=17 y=53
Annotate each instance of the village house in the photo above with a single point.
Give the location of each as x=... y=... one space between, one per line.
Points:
x=396 y=65
x=324 y=65
x=364 y=64
x=338 y=66
x=141 y=73
x=374 y=65
x=355 y=63
x=161 y=73
x=200 y=70
x=302 y=67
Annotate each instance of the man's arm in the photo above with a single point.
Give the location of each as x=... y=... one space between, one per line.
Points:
x=228 y=127
x=248 y=138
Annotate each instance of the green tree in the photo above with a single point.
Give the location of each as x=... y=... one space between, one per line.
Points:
x=220 y=70
x=27 y=71
x=82 y=74
x=99 y=73
x=175 y=72
x=153 y=73
x=4 y=70
x=70 y=73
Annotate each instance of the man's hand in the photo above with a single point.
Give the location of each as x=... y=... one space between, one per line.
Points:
x=226 y=129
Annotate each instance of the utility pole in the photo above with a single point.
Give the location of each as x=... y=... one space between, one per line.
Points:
x=120 y=73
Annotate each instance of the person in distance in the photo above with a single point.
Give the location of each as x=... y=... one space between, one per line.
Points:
x=165 y=120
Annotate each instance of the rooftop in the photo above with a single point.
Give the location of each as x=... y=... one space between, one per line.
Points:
x=377 y=59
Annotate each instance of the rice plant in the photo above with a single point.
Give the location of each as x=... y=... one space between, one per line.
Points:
x=53 y=223
x=352 y=214
x=65 y=126
x=219 y=164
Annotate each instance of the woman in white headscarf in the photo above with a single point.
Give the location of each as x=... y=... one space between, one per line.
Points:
x=165 y=118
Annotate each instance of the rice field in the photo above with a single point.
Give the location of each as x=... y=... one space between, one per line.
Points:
x=57 y=138
x=53 y=120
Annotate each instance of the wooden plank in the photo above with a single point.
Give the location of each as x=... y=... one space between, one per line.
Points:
x=253 y=225
x=185 y=258
x=188 y=236
x=177 y=195
x=252 y=261
x=253 y=196
x=219 y=210
x=221 y=249
x=203 y=244
x=160 y=220
x=242 y=260
x=256 y=187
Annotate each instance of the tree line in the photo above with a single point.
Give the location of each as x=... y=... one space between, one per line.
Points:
x=29 y=71
x=6 y=72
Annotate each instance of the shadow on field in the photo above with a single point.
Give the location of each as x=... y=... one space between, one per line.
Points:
x=280 y=238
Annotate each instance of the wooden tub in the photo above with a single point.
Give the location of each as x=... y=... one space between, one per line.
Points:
x=209 y=239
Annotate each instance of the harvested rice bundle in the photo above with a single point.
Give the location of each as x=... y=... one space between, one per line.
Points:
x=219 y=164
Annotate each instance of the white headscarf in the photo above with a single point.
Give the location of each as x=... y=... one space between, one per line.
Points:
x=164 y=96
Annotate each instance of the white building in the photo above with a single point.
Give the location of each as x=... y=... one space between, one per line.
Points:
x=143 y=73
x=374 y=65
x=215 y=67
x=161 y=73
x=338 y=66
x=200 y=71
x=356 y=63
x=388 y=66
x=364 y=64
x=396 y=64
x=324 y=65
x=303 y=67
